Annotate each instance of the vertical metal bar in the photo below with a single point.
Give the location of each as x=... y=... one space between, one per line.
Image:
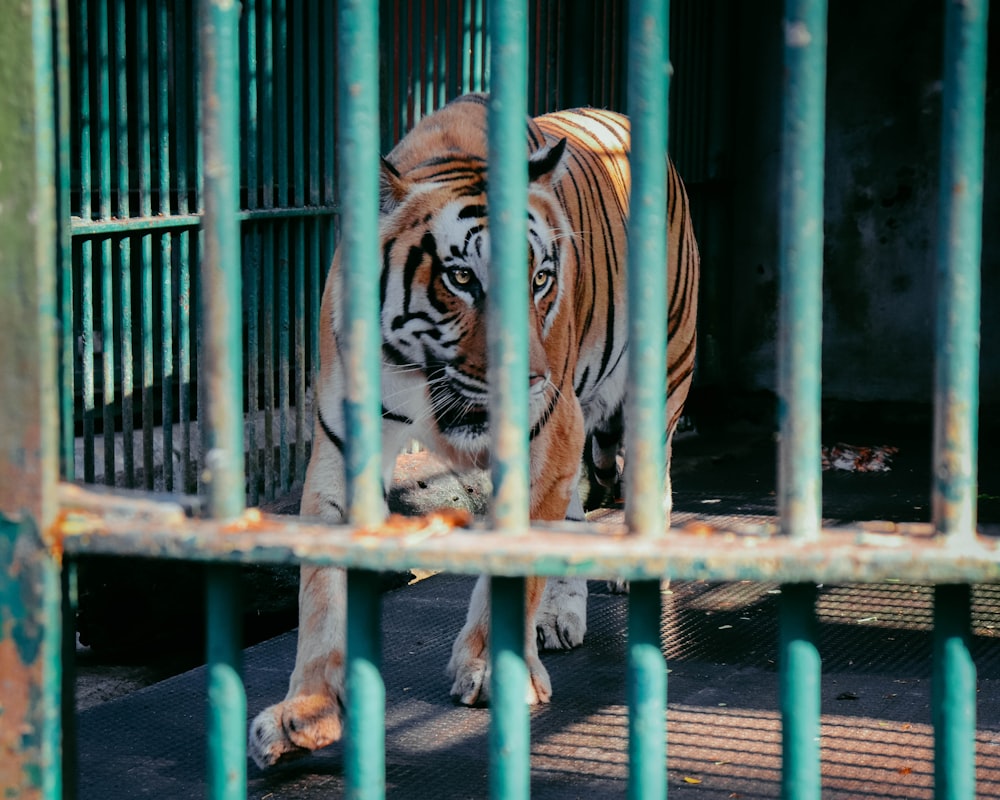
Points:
x=125 y=244
x=647 y=277
x=184 y=356
x=365 y=745
x=953 y=696
x=161 y=27
x=251 y=252
x=144 y=76
x=960 y=210
x=507 y=310
x=507 y=354
x=266 y=296
x=227 y=704
x=222 y=430
x=801 y=267
x=70 y=754
x=67 y=389
x=358 y=178
x=107 y=266
x=182 y=111
x=510 y=730
x=280 y=265
x=31 y=633
x=357 y=118
x=86 y=246
x=647 y=695
x=799 y=693
x=284 y=351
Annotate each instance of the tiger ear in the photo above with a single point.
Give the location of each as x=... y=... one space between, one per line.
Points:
x=547 y=163
x=391 y=186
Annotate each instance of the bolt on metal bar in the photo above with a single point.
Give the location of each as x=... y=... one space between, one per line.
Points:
x=953 y=695
x=960 y=201
x=647 y=695
x=799 y=692
x=357 y=171
x=801 y=267
x=31 y=633
x=649 y=86
x=222 y=377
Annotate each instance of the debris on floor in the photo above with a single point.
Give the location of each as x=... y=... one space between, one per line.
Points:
x=854 y=458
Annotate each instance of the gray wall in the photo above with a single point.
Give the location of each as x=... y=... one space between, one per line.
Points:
x=883 y=122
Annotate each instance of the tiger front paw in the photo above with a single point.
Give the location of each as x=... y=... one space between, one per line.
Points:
x=561 y=620
x=294 y=728
x=471 y=686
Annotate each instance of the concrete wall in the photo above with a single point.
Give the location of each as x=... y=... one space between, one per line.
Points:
x=883 y=123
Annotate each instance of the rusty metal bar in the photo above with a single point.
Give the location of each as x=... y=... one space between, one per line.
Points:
x=222 y=421
x=647 y=695
x=960 y=201
x=30 y=620
x=801 y=266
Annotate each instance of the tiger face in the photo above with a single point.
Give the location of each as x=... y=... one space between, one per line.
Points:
x=435 y=280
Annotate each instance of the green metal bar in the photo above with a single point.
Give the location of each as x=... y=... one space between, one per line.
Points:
x=299 y=343
x=248 y=52
x=365 y=745
x=70 y=754
x=953 y=695
x=222 y=422
x=104 y=258
x=86 y=248
x=510 y=729
x=358 y=171
x=183 y=126
x=357 y=118
x=128 y=363
x=31 y=629
x=507 y=309
x=960 y=210
x=125 y=244
x=280 y=95
x=330 y=18
x=167 y=377
x=251 y=277
x=268 y=324
x=507 y=354
x=161 y=29
x=67 y=388
x=220 y=263
x=284 y=353
x=184 y=357
x=227 y=703
x=647 y=694
x=647 y=257
x=108 y=341
x=87 y=357
x=801 y=267
x=144 y=115
x=799 y=692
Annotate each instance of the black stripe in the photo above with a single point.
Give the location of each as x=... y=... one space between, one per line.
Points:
x=337 y=441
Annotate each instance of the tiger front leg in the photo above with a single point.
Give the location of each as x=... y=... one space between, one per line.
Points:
x=310 y=715
x=469 y=666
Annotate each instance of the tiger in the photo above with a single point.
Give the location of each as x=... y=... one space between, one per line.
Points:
x=434 y=278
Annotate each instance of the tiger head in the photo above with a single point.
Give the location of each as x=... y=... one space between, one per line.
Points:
x=435 y=278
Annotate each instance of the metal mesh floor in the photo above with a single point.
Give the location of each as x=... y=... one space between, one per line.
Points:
x=724 y=730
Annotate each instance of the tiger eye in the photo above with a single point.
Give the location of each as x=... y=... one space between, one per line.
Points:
x=461 y=276
x=542 y=278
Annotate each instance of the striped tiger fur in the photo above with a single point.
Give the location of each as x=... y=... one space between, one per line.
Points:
x=434 y=277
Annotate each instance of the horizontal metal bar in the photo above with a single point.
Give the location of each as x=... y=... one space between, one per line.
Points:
x=102 y=522
x=90 y=227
